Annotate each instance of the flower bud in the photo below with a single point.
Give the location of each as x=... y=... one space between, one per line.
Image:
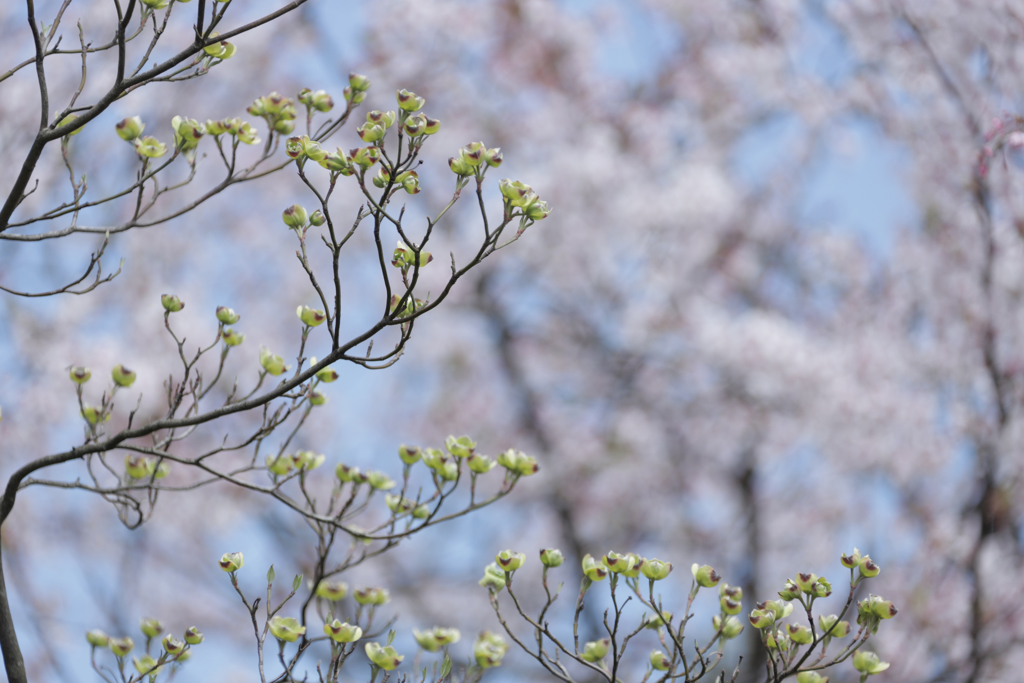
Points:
x=122 y=376
x=840 y=630
x=137 y=466
x=130 y=128
x=799 y=634
x=868 y=663
x=659 y=661
x=730 y=628
x=371 y=132
x=151 y=627
x=348 y=474
x=271 y=363
x=705 y=576
x=459 y=166
x=331 y=590
x=510 y=561
x=294 y=216
x=433 y=125
x=779 y=608
x=494 y=577
x=883 y=609
x=172 y=645
x=489 y=649
x=537 y=211
x=310 y=316
x=494 y=157
x=227 y=315
x=187 y=133
x=654 y=622
x=409 y=454
x=551 y=557
x=618 y=564
x=421 y=511
x=384 y=657
x=69 y=119
x=371 y=596
x=821 y=588
x=868 y=568
x=193 y=636
x=805 y=581
x=461 y=446
x=146 y=665
x=171 y=303
x=852 y=560
x=294 y=148
x=216 y=128
x=480 y=464
x=94 y=415
x=358 y=82
x=386 y=119
x=307 y=460
x=317 y=218
x=286 y=629
x=231 y=562
x=79 y=374
x=318 y=100
x=365 y=157
x=518 y=462
x=353 y=96
x=779 y=643
x=762 y=618
x=342 y=633
x=409 y=101
x=415 y=125
x=246 y=133
x=730 y=606
x=592 y=569
x=338 y=162
x=97 y=638
x=811 y=677
x=515 y=192
x=411 y=183
x=791 y=591
x=380 y=481
x=595 y=650
x=149 y=147
x=121 y=646
x=656 y=570
x=399 y=505
x=434 y=639
x=232 y=338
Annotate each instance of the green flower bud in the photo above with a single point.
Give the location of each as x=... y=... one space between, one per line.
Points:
x=705 y=576
x=294 y=216
x=821 y=588
x=193 y=636
x=216 y=128
x=868 y=663
x=510 y=561
x=97 y=638
x=332 y=590
x=318 y=100
x=592 y=569
x=480 y=464
x=69 y=119
x=656 y=569
x=149 y=147
x=151 y=628
x=247 y=134
x=791 y=591
x=459 y=166
x=852 y=560
x=494 y=577
x=461 y=446
x=762 y=618
x=338 y=162
x=380 y=481
x=618 y=564
x=384 y=657
x=385 y=119
x=518 y=462
x=411 y=183
x=121 y=646
x=415 y=125
x=433 y=125
x=595 y=650
x=493 y=157
x=130 y=128
x=515 y=192
x=294 y=148
x=317 y=218
x=312 y=149
x=327 y=375
x=271 y=363
x=732 y=592
x=221 y=50
x=348 y=474
x=551 y=557
x=156 y=4
x=79 y=374
x=841 y=629
x=779 y=643
x=187 y=133
x=371 y=132
x=398 y=504
x=286 y=629
x=730 y=606
x=227 y=315
x=310 y=316
x=317 y=397
x=659 y=661
x=881 y=608
x=489 y=649
x=779 y=608
x=537 y=211
x=868 y=568
x=405 y=257
x=171 y=303
x=799 y=634
x=307 y=460
x=434 y=639
x=353 y=96
x=284 y=127
x=172 y=645
x=138 y=466
x=371 y=596
x=409 y=101
x=94 y=415
x=342 y=633
x=146 y=665
x=730 y=628
x=231 y=562
x=421 y=511
x=805 y=581
x=409 y=454
x=122 y=376
x=811 y=677
x=654 y=622
x=232 y=338
x=473 y=153
x=358 y=82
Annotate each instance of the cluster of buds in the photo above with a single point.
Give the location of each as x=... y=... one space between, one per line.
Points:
x=341 y=162
x=371 y=596
x=407 y=180
x=187 y=133
x=411 y=305
x=401 y=506
x=277 y=110
x=358 y=84
x=474 y=159
x=383 y=657
x=872 y=610
x=436 y=638
x=806 y=584
x=596 y=650
x=144 y=467
x=405 y=258
x=303 y=147
x=444 y=466
x=420 y=125
x=376 y=126
x=865 y=566
x=519 y=195
x=347 y=474
x=489 y=649
x=495 y=578
x=220 y=50
x=174 y=649
x=629 y=565
x=518 y=463
x=235 y=127
x=316 y=101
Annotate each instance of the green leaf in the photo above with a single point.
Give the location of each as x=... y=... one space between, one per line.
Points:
x=270 y=574
x=446 y=666
x=391 y=637
x=296 y=582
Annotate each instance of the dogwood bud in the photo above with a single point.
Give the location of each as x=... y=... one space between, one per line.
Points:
x=409 y=454
x=227 y=315
x=551 y=557
x=705 y=576
x=371 y=596
x=868 y=663
x=459 y=166
x=130 y=128
x=231 y=562
x=494 y=157
x=380 y=481
x=146 y=665
x=332 y=590
x=415 y=125
x=494 y=577
x=460 y=447
x=122 y=376
x=187 y=133
x=659 y=661
x=811 y=677
x=294 y=216
x=617 y=563
x=433 y=125
x=232 y=338
x=79 y=374
x=172 y=645
x=730 y=628
x=94 y=415
x=342 y=633
x=358 y=82
x=868 y=568
x=480 y=464
x=510 y=561
x=353 y=96
x=97 y=638
x=409 y=101
x=730 y=606
x=537 y=211
x=286 y=629
x=348 y=474
x=386 y=658
x=852 y=560
x=791 y=591
x=656 y=569
x=655 y=621
x=799 y=634
x=839 y=630
x=270 y=362
x=310 y=316
x=121 y=646
x=151 y=627
x=193 y=636
x=594 y=570
x=762 y=618
x=434 y=639
x=489 y=649
x=171 y=302
x=595 y=650
x=149 y=147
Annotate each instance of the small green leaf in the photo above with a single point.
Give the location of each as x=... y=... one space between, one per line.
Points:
x=391 y=636
x=446 y=666
x=270 y=574
x=296 y=582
